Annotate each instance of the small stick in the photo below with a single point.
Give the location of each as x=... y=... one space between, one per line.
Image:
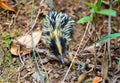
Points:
x=44 y=51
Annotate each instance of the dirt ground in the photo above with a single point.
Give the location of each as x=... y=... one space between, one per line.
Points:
x=88 y=63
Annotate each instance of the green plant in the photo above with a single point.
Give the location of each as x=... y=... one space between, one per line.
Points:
x=96 y=10
x=6 y=36
x=8 y=57
x=111 y=36
x=93 y=18
x=116 y=0
x=6 y=41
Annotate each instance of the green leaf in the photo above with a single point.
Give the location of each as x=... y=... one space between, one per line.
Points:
x=116 y=0
x=84 y=20
x=99 y=4
x=91 y=5
x=111 y=36
x=92 y=10
x=108 y=12
x=8 y=57
x=119 y=62
x=6 y=43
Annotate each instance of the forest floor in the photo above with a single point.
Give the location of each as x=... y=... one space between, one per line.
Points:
x=90 y=62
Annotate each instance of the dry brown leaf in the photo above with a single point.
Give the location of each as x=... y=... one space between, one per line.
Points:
x=26 y=40
x=82 y=77
x=5 y=5
x=97 y=79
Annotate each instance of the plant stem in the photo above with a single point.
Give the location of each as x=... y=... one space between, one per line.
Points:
x=109 y=32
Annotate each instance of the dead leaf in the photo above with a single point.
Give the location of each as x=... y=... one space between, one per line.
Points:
x=97 y=79
x=5 y=5
x=26 y=40
x=82 y=77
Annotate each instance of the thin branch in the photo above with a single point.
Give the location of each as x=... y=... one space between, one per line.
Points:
x=50 y=55
x=20 y=57
x=109 y=32
x=39 y=11
x=76 y=53
x=36 y=49
x=44 y=51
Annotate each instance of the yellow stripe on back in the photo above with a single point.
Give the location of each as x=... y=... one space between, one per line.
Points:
x=57 y=36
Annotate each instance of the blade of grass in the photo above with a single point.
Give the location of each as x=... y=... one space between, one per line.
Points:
x=108 y=12
x=111 y=36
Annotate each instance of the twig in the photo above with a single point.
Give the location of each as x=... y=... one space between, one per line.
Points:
x=18 y=77
x=115 y=78
x=109 y=32
x=76 y=53
x=44 y=51
x=91 y=48
x=39 y=11
x=36 y=49
x=20 y=57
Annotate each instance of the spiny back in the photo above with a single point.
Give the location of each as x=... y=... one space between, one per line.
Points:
x=58 y=23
